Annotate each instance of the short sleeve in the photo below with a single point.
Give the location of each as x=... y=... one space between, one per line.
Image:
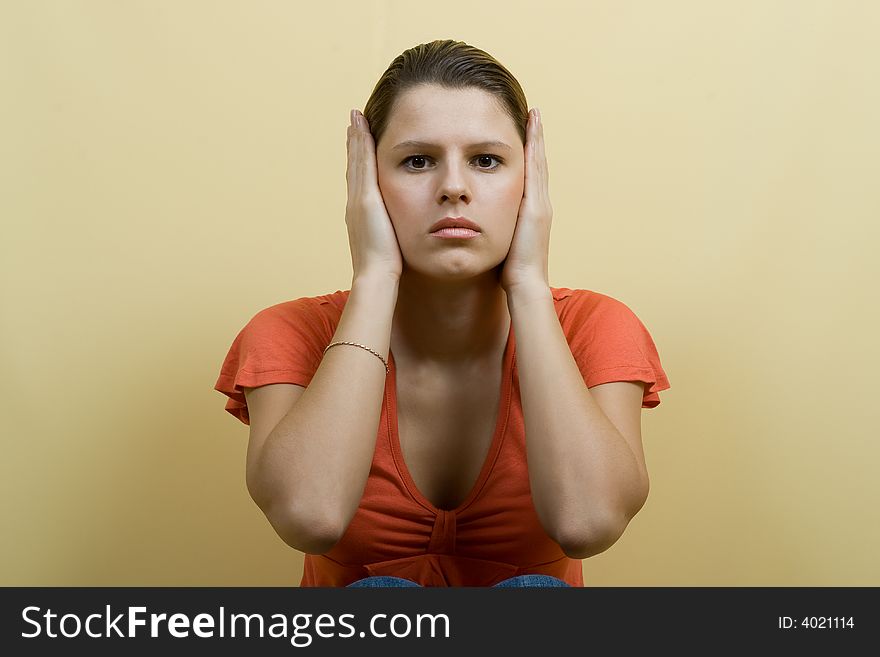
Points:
x=283 y=343
x=610 y=343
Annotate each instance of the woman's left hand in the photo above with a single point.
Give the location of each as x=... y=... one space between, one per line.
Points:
x=526 y=263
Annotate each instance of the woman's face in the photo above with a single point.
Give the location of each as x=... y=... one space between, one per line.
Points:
x=451 y=173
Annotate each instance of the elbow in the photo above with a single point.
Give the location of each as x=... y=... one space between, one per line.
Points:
x=308 y=533
x=312 y=535
x=584 y=543
x=591 y=538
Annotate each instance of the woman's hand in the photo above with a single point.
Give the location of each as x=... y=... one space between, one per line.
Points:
x=371 y=236
x=526 y=263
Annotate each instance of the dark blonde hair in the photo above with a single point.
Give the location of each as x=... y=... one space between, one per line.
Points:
x=449 y=64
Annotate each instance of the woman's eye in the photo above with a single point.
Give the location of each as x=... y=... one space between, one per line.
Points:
x=415 y=158
x=482 y=158
x=484 y=162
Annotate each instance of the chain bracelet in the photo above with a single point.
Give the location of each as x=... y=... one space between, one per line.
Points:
x=362 y=346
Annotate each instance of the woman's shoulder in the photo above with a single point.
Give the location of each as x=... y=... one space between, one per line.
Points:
x=582 y=298
x=324 y=304
x=609 y=341
x=315 y=316
x=582 y=310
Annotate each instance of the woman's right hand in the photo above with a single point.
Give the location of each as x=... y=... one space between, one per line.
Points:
x=371 y=236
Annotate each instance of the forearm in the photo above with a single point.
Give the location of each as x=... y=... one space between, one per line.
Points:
x=585 y=480
x=317 y=459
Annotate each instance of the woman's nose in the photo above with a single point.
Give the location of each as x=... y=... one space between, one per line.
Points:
x=453 y=183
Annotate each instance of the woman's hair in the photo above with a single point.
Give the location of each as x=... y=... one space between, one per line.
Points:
x=449 y=64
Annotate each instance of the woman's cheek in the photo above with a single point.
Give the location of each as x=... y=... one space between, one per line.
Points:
x=515 y=197
x=394 y=203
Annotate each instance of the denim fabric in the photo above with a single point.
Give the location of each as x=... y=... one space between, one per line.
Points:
x=532 y=581
x=382 y=580
x=522 y=581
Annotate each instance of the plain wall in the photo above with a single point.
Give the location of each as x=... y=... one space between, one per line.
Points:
x=171 y=168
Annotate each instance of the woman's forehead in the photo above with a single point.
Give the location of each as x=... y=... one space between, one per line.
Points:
x=431 y=113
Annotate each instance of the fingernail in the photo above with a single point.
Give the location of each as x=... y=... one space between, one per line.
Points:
x=352 y=118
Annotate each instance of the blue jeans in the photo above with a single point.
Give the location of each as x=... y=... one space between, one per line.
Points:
x=518 y=581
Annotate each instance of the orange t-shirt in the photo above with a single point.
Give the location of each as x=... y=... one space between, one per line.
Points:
x=495 y=532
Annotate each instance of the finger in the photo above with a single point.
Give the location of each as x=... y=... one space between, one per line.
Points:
x=357 y=155
x=541 y=154
x=531 y=171
x=348 y=154
x=370 y=168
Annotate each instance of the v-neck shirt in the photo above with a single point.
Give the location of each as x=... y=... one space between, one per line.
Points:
x=494 y=533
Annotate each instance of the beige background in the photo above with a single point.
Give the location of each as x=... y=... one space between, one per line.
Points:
x=171 y=168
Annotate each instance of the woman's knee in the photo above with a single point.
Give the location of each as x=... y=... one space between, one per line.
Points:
x=377 y=581
x=532 y=581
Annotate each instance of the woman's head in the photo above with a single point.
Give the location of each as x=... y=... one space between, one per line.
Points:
x=451 y=65
x=453 y=98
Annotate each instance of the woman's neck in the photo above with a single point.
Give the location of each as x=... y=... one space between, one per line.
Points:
x=449 y=323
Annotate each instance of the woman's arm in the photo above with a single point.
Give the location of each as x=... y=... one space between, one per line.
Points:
x=587 y=481
x=312 y=467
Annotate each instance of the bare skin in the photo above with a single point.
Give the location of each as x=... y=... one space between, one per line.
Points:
x=451 y=321
x=451 y=315
x=308 y=469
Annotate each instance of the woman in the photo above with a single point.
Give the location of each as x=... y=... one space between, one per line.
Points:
x=508 y=411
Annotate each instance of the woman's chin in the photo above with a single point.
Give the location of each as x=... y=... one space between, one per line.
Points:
x=452 y=271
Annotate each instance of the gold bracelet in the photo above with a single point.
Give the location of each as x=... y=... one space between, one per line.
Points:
x=362 y=346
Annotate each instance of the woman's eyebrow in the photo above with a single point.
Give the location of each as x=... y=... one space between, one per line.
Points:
x=423 y=144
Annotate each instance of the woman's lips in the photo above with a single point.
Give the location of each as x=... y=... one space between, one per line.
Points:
x=457 y=232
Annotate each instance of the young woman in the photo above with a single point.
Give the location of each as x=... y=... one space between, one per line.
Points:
x=452 y=419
